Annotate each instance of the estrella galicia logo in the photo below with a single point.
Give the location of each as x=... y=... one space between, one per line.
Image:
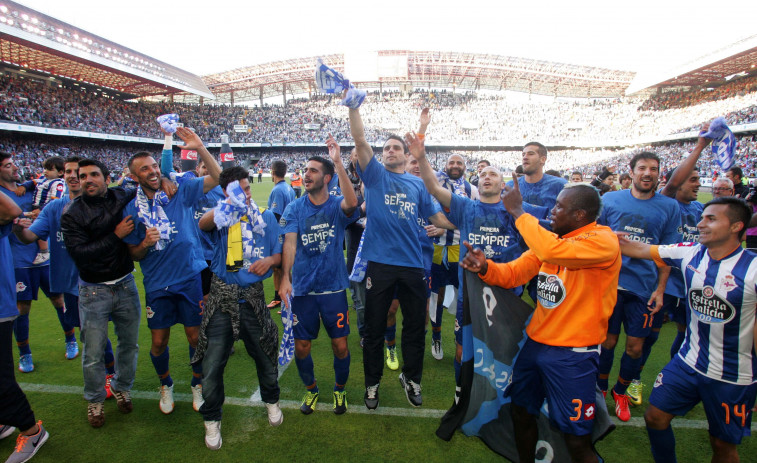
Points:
x=550 y=290
x=708 y=307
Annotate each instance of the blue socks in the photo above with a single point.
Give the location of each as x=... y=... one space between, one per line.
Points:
x=606 y=356
x=21 y=331
x=110 y=359
x=629 y=369
x=68 y=330
x=305 y=369
x=390 y=334
x=646 y=349
x=196 y=369
x=161 y=368
x=663 y=445
x=341 y=372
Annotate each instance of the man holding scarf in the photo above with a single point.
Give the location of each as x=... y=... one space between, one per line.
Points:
x=171 y=258
x=313 y=226
x=246 y=247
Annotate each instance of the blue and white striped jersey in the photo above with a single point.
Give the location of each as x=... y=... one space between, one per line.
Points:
x=452 y=237
x=721 y=296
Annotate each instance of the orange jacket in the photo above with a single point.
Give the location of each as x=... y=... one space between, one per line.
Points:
x=296 y=180
x=578 y=281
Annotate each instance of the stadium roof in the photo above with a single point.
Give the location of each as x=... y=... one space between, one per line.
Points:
x=716 y=67
x=422 y=68
x=32 y=40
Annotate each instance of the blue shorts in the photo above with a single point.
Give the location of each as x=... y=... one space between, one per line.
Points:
x=309 y=310
x=71 y=309
x=179 y=303
x=675 y=306
x=632 y=313
x=30 y=280
x=678 y=388
x=442 y=276
x=565 y=376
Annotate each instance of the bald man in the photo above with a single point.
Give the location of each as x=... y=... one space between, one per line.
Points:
x=444 y=271
x=483 y=222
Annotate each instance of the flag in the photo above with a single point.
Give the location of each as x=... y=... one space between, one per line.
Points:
x=723 y=142
x=494 y=322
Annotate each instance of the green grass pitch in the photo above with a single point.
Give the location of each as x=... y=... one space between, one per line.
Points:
x=399 y=434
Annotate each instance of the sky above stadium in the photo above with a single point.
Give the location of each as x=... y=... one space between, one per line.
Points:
x=213 y=36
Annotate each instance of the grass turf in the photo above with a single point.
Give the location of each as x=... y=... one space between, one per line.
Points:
x=148 y=435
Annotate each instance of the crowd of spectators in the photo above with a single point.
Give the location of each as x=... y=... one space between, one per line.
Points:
x=681 y=98
x=464 y=118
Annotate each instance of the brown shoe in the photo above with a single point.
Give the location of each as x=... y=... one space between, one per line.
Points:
x=95 y=414
x=123 y=401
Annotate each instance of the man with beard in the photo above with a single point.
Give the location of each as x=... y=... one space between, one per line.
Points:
x=396 y=202
x=651 y=218
x=683 y=186
x=482 y=222
x=93 y=228
x=444 y=267
x=537 y=188
x=164 y=238
x=313 y=226
x=64 y=277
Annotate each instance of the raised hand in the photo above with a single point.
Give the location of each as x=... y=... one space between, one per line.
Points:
x=334 y=150
x=191 y=140
x=512 y=199
x=415 y=145
x=425 y=120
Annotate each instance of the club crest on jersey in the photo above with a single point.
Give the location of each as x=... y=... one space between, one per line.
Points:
x=658 y=380
x=550 y=290
x=20 y=287
x=149 y=312
x=708 y=307
x=727 y=283
x=282 y=222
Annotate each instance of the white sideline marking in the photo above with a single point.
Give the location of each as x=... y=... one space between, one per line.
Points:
x=358 y=408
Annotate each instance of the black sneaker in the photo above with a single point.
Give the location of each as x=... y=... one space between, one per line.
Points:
x=372 y=397
x=412 y=391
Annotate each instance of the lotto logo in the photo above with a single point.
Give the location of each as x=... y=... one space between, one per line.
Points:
x=149 y=312
x=294 y=319
x=20 y=287
x=368 y=283
x=658 y=380
x=589 y=410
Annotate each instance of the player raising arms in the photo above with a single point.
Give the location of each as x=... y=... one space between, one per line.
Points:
x=165 y=242
x=395 y=202
x=313 y=226
x=716 y=364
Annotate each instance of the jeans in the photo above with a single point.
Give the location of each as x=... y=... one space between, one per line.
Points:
x=96 y=304
x=220 y=340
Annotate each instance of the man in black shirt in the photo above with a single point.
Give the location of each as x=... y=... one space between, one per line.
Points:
x=92 y=231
